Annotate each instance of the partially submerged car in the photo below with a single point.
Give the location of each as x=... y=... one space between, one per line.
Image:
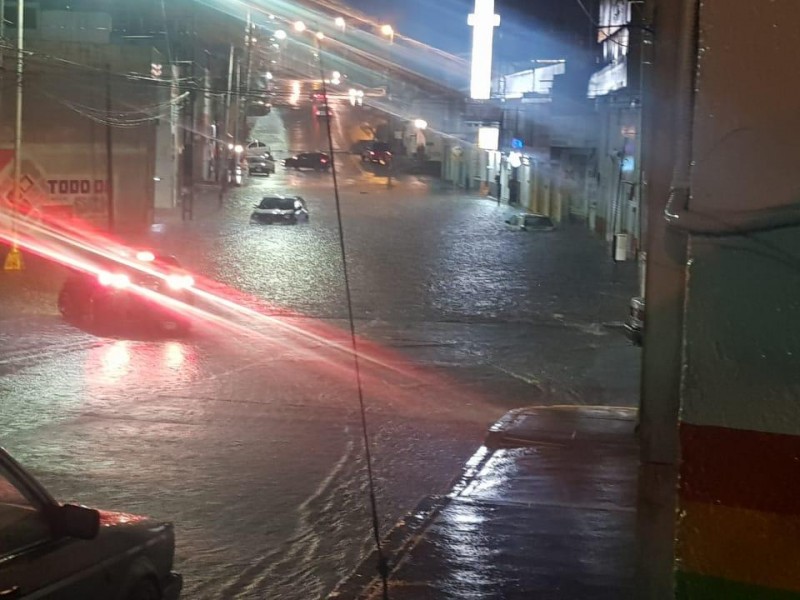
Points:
x=53 y=550
x=109 y=296
x=319 y=161
x=280 y=209
x=263 y=164
x=530 y=222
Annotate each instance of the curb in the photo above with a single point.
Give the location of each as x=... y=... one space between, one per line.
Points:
x=405 y=534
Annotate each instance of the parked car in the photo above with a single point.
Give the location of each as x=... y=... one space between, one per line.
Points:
x=53 y=550
x=280 y=209
x=263 y=164
x=634 y=323
x=323 y=111
x=530 y=222
x=319 y=161
x=377 y=153
x=110 y=297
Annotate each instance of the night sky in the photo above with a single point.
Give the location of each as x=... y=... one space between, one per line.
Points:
x=528 y=29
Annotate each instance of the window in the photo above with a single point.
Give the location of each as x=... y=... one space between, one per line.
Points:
x=21 y=521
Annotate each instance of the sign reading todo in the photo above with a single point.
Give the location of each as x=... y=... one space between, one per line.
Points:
x=88 y=197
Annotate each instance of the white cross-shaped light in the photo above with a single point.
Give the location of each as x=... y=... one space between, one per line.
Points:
x=483 y=22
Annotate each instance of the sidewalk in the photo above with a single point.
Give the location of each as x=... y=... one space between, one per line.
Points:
x=546 y=510
x=205 y=202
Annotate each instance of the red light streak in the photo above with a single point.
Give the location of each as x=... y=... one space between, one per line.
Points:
x=225 y=309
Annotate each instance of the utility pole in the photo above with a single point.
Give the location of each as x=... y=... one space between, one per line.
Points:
x=248 y=66
x=13 y=261
x=187 y=200
x=109 y=153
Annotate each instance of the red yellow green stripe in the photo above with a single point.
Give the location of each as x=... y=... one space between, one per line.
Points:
x=742 y=545
x=691 y=586
x=740 y=468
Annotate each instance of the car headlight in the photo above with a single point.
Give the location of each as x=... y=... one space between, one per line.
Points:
x=180 y=282
x=115 y=280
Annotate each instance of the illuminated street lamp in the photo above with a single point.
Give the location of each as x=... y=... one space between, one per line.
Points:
x=299 y=26
x=388 y=31
x=320 y=35
x=420 y=124
x=280 y=34
x=339 y=22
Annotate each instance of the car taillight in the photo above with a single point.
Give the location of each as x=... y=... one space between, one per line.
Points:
x=115 y=280
x=371 y=153
x=180 y=282
x=323 y=160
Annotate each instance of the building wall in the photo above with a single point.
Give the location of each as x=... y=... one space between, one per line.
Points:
x=65 y=131
x=739 y=491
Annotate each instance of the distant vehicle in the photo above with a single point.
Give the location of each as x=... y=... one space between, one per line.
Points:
x=109 y=297
x=263 y=164
x=256 y=148
x=323 y=111
x=53 y=550
x=317 y=95
x=258 y=108
x=377 y=153
x=319 y=161
x=280 y=209
x=634 y=323
x=530 y=222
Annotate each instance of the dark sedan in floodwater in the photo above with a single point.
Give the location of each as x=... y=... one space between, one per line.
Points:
x=50 y=550
x=280 y=209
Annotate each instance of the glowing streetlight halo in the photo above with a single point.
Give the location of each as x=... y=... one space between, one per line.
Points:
x=299 y=26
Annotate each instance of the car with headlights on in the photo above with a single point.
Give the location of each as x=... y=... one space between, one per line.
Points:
x=280 y=209
x=50 y=550
x=319 y=161
x=141 y=287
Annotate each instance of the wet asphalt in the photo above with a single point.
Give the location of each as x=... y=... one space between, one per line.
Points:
x=246 y=433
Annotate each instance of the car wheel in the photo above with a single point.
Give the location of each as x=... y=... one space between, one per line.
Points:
x=145 y=589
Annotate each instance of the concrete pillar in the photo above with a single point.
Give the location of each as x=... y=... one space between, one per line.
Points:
x=739 y=486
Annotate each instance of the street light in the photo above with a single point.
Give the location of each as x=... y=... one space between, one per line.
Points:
x=421 y=124
x=299 y=26
x=388 y=31
x=280 y=34
x=320 y=35
x=339 y=22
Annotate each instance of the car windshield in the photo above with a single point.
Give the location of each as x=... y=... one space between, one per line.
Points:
x=411 y=320
x=277 y=203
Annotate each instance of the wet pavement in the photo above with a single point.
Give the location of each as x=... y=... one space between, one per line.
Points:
x=246 y=433
x=546 y=511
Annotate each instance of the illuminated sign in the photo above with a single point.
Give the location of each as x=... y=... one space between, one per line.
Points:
x=483 y=22
x=517 y=144
x=488 y=138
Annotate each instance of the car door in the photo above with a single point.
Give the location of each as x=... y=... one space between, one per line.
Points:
x=34 y=563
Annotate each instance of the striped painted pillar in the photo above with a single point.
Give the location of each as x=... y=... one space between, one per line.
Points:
x=738 y=523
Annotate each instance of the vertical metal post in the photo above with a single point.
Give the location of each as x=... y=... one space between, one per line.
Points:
x=109 y=154
x=18 y=119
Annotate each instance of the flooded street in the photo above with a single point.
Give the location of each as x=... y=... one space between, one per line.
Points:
x=247 y=433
